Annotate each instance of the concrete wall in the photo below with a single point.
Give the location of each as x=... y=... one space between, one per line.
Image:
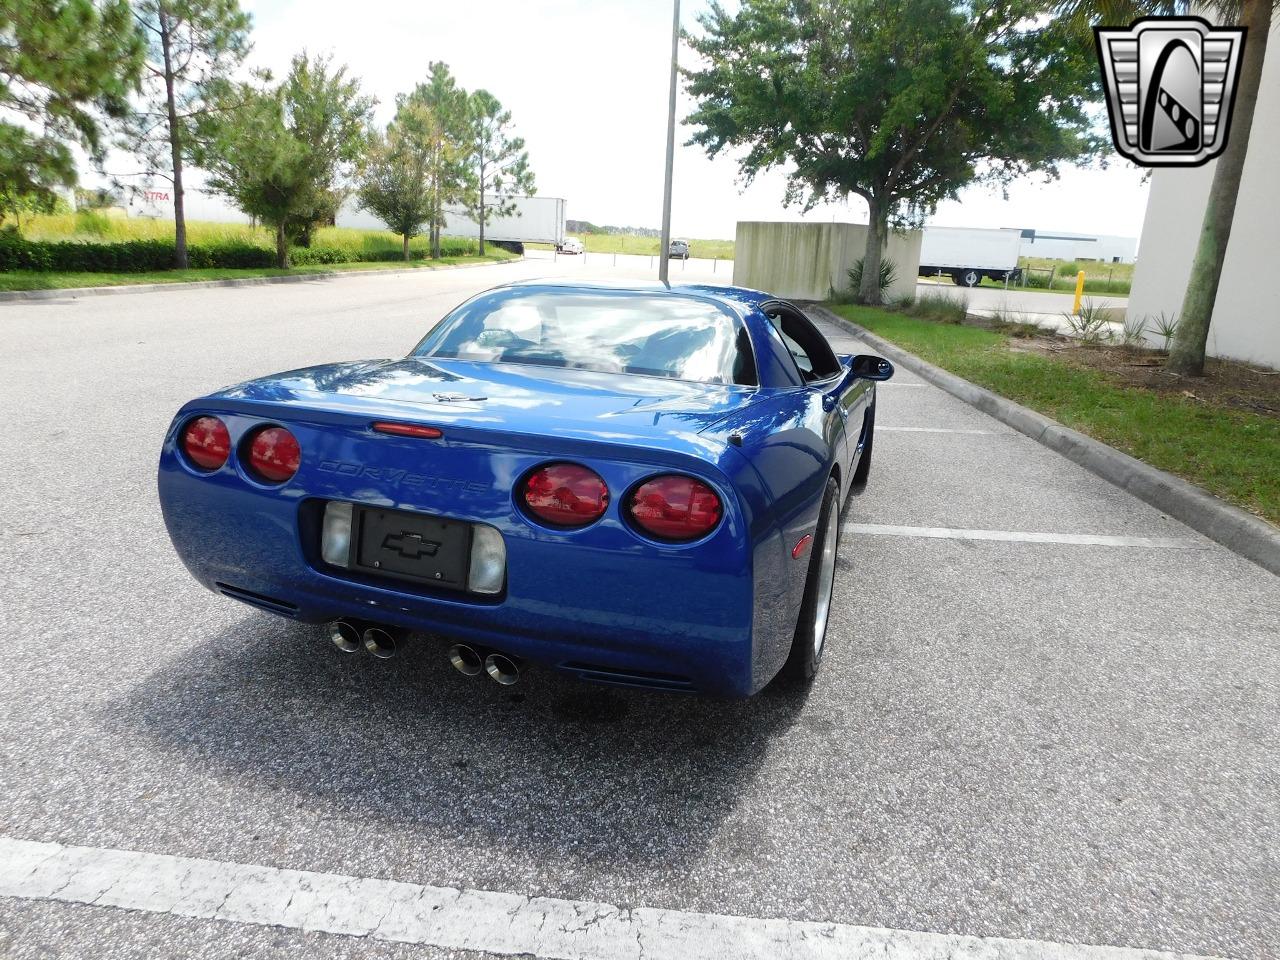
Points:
x=1246 y=315
x=806 y=261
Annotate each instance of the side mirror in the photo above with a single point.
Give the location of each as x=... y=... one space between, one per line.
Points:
x=867 y=366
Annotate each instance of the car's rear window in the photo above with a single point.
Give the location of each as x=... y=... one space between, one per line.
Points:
x=656 y=336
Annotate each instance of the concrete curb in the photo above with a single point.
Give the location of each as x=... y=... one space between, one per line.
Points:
x=19 y=296
x=1230 y=526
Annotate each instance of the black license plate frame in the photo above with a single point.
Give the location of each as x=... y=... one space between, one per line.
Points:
x=418 y=548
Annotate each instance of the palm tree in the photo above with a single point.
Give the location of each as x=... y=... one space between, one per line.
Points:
x=1186 y=355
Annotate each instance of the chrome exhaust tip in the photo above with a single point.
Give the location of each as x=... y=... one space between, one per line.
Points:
x=381 y=643
x=502 y=668
x=345 y=636
x=466 y=660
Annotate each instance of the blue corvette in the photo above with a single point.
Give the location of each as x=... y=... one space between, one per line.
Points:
x=634 y=485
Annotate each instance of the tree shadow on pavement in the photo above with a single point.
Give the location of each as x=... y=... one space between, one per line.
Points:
x=564 y=769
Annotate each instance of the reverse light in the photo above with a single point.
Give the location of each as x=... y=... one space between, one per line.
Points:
x=206 y=442
x=565 y=495
x=488 y=560
x=335 y=535
x=274 y=454
x=674 y=507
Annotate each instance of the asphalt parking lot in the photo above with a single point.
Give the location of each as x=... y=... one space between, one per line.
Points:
x=1015 y=734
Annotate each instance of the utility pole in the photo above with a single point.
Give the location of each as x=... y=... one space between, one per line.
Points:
x=665 y=247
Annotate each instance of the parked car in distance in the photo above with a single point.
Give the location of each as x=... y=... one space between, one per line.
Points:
x=678 y=249
x=572 y=245
x=637 y=485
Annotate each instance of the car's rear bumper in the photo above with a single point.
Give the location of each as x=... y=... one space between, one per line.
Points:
x=676 y=618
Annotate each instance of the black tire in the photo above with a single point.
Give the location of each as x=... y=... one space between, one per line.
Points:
x=970 y=277
x=806 y=652
x=863 y=471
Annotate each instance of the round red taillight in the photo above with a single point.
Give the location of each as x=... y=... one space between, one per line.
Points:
x=206 y=442
x=565 y=494
x=674 y=507
x=274 y=455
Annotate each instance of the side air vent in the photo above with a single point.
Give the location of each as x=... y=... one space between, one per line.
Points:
x=282 y=607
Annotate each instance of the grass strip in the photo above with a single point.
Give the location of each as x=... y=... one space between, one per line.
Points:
x=1231 y=453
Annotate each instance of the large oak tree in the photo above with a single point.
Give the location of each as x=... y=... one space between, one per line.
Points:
x=899 y=102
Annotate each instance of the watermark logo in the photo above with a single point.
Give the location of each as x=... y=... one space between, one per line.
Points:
x=1171 y=83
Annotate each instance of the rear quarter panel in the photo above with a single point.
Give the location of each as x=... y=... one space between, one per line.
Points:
x=787 y=439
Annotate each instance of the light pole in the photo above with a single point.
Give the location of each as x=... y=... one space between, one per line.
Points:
x=665 y=247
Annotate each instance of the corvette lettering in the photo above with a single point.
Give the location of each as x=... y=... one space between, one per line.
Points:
x=394 y=477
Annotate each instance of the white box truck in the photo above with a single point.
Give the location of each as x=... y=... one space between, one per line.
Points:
x=534 y=220
x=967 y=254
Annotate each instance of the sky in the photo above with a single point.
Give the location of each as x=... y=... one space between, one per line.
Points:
x=586 y=82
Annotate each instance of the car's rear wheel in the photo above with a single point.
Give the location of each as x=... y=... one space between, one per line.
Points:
x=970 y=278
x=810 y=640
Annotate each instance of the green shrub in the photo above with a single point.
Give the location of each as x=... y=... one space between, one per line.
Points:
x=142 y=256
x=128 y=256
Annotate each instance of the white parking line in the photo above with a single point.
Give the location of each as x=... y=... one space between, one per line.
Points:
x=1022 y=536
x=501 y=923
x=880 y=426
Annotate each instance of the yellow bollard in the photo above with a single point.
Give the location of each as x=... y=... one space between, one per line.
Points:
x=1079 y=293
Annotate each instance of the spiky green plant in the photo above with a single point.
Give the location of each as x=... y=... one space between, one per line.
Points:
x=1167 y=326
x=1134 y=332
x=1090 y=325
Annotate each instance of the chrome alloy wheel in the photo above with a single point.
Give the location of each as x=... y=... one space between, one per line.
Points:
x=826 y=580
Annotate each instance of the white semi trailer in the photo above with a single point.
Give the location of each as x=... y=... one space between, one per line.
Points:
x=534 y=220
x=966 y=254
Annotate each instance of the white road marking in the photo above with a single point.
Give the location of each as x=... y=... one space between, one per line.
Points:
x=881 y=426
x=500 y=923
x=1022 y=536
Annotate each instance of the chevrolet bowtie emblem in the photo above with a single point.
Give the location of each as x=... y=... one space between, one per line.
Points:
x=411 y=546
x=1171 y=83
